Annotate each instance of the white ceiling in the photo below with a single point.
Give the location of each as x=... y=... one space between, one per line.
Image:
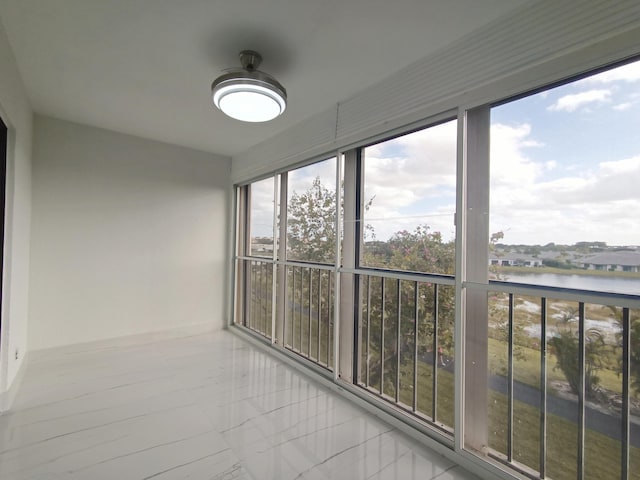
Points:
x=145 y=67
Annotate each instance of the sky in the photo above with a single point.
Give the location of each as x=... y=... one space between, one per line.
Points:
x=565 y=167
x=411 y=181
x=565 y=163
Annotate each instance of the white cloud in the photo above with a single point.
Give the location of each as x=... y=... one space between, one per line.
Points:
x=413 y=181
x=628 y=166
x=622 y=106
x=301 y=179
x=600 y=203
x=627 y=73
x=509 y=164
x=572 y=102
x=262 y=208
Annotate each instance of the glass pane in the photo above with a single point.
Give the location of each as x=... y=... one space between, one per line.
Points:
x=562 y=385
x=389 y=345
x=261 y=218
x=526 y=380
x=565 y=165
x=261 y=301
x=634 y=369
x=409 y=201
x=311 y=213
x=308 y=311
x=428 y=358
x=407 y=352
x=603 y=447
x=374 y=359
x=446 y=334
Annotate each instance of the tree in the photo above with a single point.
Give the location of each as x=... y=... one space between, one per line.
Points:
x=565 y=345
x=311 y=232
x=421 y=251
x=311 y=237
x=493 y=248
x=634 y=340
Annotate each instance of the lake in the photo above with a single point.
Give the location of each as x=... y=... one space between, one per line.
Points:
x=613 y=284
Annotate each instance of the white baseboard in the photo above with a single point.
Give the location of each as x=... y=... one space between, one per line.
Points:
x=129 y=340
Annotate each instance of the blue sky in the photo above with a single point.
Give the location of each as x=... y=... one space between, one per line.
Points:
x=565 y=167
x=566 y=162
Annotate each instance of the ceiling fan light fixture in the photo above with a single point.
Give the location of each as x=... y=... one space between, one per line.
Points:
x=249 y=95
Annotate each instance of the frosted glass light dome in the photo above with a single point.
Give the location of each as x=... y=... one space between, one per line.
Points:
x=249 y=95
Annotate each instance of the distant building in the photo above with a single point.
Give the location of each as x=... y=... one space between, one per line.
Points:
x=613 y=262
x=260 y=247
x=514 y=260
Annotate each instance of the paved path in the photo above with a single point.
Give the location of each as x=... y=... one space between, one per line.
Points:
x=607 y=424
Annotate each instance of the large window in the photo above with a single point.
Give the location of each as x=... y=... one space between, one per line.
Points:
x=541 y=321
x=565 y=170
x=261 y=214
x=406 y=323
x=409 y=201
x=311 y=213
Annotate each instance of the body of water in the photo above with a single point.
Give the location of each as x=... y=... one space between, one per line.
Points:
x=598 y=283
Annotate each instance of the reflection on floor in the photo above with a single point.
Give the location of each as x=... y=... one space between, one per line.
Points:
x=208 y=406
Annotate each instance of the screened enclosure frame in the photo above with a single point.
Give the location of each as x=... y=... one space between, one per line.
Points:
x=321 y=314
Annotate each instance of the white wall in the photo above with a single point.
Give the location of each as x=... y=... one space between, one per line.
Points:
x=16 y=112
x=128 y=235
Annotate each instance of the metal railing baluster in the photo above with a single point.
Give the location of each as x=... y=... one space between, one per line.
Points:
x=416 y=296
x=319 y=311
x=382 y=335
x=436 y=355
x=300 y=305
x=626 y=368
x=329 y=304
x=269 y=297
x=543 y=387
x=272 y=313
x=293 y=305
x=398 y=333
x=254 y=288
x=260 y=319
x=368 y=325
x=510 y=381
x=309 y=319
x=582 y=391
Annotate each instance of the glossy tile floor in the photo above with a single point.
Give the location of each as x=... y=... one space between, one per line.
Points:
x=203 y=407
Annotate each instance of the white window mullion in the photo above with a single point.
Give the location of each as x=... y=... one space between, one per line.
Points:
x=472 y=374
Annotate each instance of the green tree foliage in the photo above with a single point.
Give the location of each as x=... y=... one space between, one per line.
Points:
x=311 y=237
x=311 y=232
x=634 y=341
x=421 y=251
x=635 y=352
x=566 y=346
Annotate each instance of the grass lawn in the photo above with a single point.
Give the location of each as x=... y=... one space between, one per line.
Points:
x=602 y=456
x=526 y=367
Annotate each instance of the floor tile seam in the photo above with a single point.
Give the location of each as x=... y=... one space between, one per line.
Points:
x=94 y=427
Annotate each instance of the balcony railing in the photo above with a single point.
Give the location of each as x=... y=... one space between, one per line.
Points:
x=563 y=381
x=563 y=365
x=406 y=343
x=308 y=316
x=260 y=305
